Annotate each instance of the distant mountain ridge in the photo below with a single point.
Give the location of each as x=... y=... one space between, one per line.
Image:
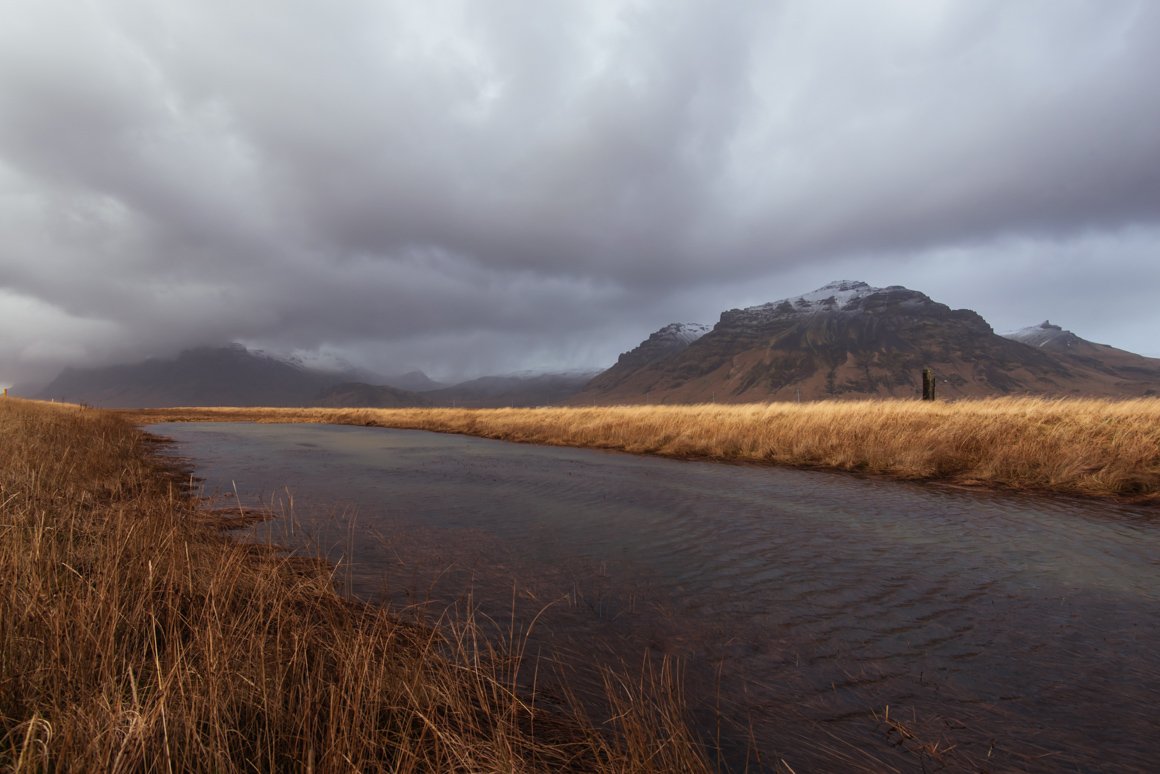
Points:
x=846 y=339
x=236 y=376
x=513 y=390
x=1127 y=367
x=203 y=376
x=362 y=395
x=413 y=381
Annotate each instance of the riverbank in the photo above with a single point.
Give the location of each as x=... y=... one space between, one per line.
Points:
x=139 y=636
x=1091 y=448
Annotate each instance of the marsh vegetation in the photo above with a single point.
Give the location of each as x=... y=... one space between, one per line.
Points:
x=137 y=635
x=1087 y=447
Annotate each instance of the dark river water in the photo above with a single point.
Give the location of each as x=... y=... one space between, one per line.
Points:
x=1003 y=633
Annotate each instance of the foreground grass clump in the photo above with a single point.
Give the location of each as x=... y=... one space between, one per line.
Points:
x=1098 y=448
x=134 y=635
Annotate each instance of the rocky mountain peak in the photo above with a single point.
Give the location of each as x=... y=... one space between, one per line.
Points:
x=842 y=296
x=672 y=338
x=833 y=296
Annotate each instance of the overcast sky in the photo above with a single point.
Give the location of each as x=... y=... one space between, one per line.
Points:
x=469 y=187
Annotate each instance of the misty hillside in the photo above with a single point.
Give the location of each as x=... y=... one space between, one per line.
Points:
x=514 y=390
x=235 y=376
x=362 y=395
x=413 y=381
x=205 y=376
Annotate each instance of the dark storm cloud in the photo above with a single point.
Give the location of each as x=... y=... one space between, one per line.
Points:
x=519 y=183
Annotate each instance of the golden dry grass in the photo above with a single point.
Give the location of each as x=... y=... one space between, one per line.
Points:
x=136 y=636
x=1099 y=448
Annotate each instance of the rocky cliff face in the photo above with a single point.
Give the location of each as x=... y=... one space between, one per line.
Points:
x=847 y=340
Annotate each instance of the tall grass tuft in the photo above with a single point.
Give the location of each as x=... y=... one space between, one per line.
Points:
x=1088 y=447
x=135 y=635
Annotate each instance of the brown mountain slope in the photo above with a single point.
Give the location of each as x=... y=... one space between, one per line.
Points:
x=850 y=340
x=667 y=342
x=1135 y=374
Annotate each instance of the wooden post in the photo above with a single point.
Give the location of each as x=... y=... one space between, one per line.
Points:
x=928 y=382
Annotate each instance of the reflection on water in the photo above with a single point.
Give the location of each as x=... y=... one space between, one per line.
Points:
x=1002 y=633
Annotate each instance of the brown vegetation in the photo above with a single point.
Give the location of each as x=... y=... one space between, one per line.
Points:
x=135 y=635
x=1099 y=448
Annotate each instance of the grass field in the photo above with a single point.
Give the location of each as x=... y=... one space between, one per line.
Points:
x=135 y=635
x=1096 y=448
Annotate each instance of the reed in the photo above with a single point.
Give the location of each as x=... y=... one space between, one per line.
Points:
x=136 y=635
x=1096 y=448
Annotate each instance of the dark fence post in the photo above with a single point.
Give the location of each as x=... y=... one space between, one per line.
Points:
x=928 y=384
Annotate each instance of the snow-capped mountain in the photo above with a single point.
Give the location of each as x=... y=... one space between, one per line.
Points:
x=849 y=339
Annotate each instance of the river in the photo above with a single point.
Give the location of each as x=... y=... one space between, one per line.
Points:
x=1002 y=632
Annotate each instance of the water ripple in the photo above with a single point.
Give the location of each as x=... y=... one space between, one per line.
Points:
x=1003 y=633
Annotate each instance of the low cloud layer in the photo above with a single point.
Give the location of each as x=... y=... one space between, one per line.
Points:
x=471 y=187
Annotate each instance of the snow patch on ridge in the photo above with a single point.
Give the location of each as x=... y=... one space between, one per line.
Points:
x=1040 y=335
x=686 y=333
x=833 y=296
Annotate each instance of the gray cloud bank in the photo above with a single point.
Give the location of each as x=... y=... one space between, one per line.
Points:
x=470 y=187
